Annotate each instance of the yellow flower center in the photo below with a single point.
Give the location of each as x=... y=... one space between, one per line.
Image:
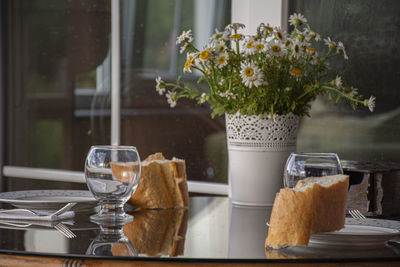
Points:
x=296 y=71
x=222 y=60
x=236 y=36
x=279 y=35
x=221 y=48
x=276 y=48
x=269 y=28
x=312 y=50
x=188 y=63
x=204 y=54
x=297 y=49
x=249 y=72
x=250 y=44
x=260 y=47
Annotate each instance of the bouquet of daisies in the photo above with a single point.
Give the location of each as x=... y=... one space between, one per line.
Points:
x=272 y=72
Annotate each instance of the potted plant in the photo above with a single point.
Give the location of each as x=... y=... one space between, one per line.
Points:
x=264 y=84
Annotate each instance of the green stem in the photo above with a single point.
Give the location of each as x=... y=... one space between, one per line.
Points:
x=334 y=89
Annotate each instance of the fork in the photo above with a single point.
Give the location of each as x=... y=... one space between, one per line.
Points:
x=356 y=214
x=65 y=208
x=62 y=228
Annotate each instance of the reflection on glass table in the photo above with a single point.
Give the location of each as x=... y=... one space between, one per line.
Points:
x=111 y=241
x=211 y=229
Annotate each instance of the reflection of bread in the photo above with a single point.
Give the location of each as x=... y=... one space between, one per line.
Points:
x=162 y=185
x=158 y=232
x=125 y=172
x=317 y=204
x=120 y=249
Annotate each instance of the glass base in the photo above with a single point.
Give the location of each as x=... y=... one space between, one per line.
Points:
x=111 y=213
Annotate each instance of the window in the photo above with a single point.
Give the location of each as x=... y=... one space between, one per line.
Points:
x=59 y=90
x=370 y=32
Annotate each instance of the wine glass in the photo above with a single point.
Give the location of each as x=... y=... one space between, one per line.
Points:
x=111 y=241
x=303 y=165
x=112 y=174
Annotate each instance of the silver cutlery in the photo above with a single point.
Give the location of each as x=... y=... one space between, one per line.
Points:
x=356 y=214
x=65 y=208
x=62 y=228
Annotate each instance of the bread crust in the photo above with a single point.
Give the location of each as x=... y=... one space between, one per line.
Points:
x=125 y=172
x=163 y=184
x=158 y=232
x=311 y=208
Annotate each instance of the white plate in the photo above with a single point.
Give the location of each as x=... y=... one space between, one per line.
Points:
x=48 y=199
x=368 y=232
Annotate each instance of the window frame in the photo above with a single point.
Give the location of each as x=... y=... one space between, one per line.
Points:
x=249 y=12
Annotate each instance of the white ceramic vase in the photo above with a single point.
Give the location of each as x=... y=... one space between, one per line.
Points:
x=258 y=149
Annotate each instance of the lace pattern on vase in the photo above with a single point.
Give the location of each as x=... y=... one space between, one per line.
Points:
x=261 y=134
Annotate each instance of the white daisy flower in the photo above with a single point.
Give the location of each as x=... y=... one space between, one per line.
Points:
x=234 y=26
x=222 y=60
x=276 y=48
x=261 y=46
x=338 y=82
x=249 y=47
x=330 y=43
x=183 y=48
x=190 y=61
x=237 y=37
x=311 y=34
x=186 y=36
x=297 y=49
x=219 y=36
x=265 y=30
x=251 y=75
x=280 y=34
x=203 y=98
x=187 y=66
x=341 y=50
x=354 y=90
x=297 y=19
x=371 y=103
x=296 y=72
x=160 y=86
x=171 y=98
x=311 y=51
x=220 y=47
x=228 y=95
x=205 y=54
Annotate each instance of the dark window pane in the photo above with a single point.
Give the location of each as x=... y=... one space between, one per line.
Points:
x=56 y=106
x=370 y=31
x=148 y=50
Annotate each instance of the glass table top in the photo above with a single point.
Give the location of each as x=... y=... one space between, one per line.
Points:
x=211 y=228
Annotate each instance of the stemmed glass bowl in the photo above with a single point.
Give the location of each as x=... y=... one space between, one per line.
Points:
x=112 y=175
x=111 y=241
x=303 y=165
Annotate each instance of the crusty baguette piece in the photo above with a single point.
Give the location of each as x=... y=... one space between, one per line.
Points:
x=125 y=172
x=162 y=184
x=317 y=204
x=158 y=232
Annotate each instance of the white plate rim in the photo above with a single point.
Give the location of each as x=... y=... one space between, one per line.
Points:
x=349 y=238
x=10 y=197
